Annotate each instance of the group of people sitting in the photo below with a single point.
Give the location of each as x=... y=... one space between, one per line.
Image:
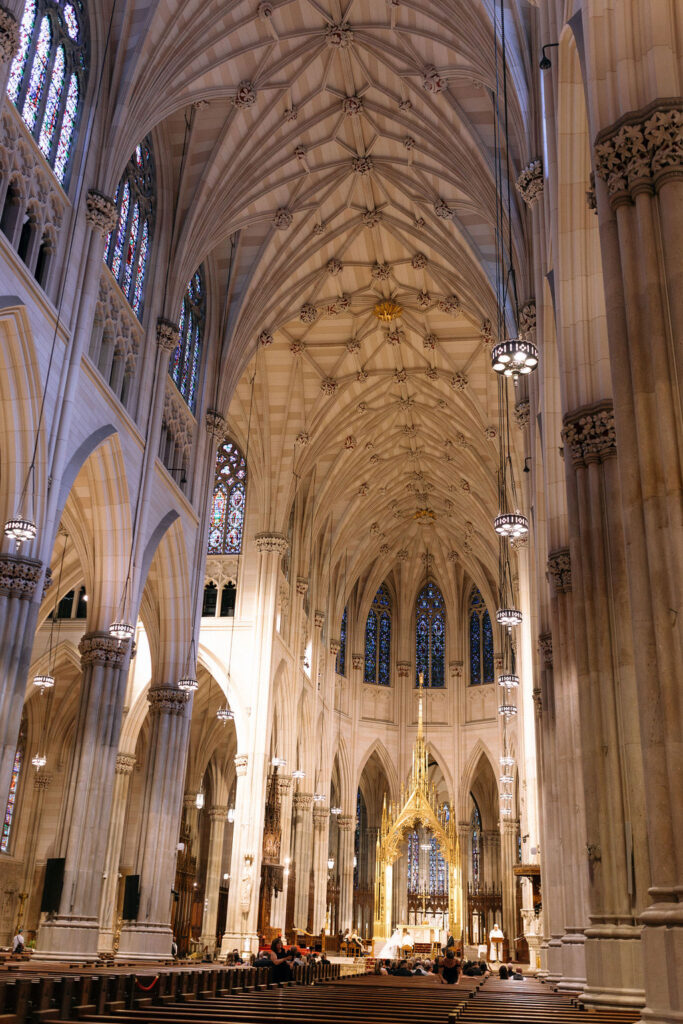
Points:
x=280 y=961
x=445 y=969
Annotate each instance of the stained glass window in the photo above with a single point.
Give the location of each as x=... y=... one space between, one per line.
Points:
x=52 y=52
x=475 y=824
x=437 y=869
x=413 y=863
x=226 y=520
x=341 y=657
x=481 y=640
x=430 y=636
x=12 y=798
x=378 y=640
x=127 y=250
x=186 y=360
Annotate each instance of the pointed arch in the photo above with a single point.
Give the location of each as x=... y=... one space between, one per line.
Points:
x=228 y=505
x=430 y=636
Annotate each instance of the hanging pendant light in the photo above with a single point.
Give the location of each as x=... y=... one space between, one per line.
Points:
x=506 y=779
x=298 y=773
x=20 y=529
x=199 y=800
x=506 y=761
x=508 y=679
x=509 y=617
x=188 y=684
x=511 y=524
x=224 y=715
x=279 y=762
x=38 y=761
x=507 y=710
x=335 y=810
x=514 y=357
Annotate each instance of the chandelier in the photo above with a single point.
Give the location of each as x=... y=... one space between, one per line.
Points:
x=188 y=684
x=39 y=761
x=387 y=310
x=335 y=810
x=511 y=524
x=298 y=773
x=510 y=358
x=121 y=630
x=509 y=617
x=225 y=715
x=20 y=529
x=45 y=682
x=508 y=679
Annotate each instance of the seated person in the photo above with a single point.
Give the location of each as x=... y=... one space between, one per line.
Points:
x=18 y=944
x=281 y=961
x=402 y=970
x=235 y=958
x=450 y=972
x=503 y=972
x=297 y=956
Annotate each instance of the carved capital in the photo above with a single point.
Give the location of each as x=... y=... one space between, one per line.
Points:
x=522 y=413
x=241 y=762
x=559 y=570
x=303 y=801
x=271 y=543
x=527 y=317
x=321 y=816
x=284 y=784
x=545 y=647
x=641 y=151
x=215 y=424
x=165 y=700
x=538 y=700
x=319 y=619
x=47 y=581
x=9 y=35
x=357 y=660
x=100 y=212
x=125 y=763
x=103 y=649
x=41 y=780
x=403 y=669
x=456 y=669
x=19 y=576
x=530 y=182
x=335 y=647
x=590 y=434
x=301 y=585
x=168 y=335
x=218 y=812
x=345 y=822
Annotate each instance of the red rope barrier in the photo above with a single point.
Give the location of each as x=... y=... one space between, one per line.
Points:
x=146 y=988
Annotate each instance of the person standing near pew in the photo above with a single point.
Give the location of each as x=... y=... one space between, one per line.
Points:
x=450 y=971
x=18 y=944
x=281 y=961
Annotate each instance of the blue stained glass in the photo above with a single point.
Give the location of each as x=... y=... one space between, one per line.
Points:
x=488 y=649
x=384 y=677
x=438 y=651
x=121 y=233
x=71 y=22
x=141 y=269
x=476 y=844
x=226 y=521
x=68 y=127
x=430 y=636
x=38 y=75
x=475 y=649
x=422 y=648
x=341 y=657
x=54 y=95
x=16 y=74
x=413 y=863
x=371 y=648
x=186 y=360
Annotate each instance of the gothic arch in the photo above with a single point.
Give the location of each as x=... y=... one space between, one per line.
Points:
x=377 y=748
x=480 y=756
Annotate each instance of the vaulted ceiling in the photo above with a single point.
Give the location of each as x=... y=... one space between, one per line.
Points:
x=333 y=155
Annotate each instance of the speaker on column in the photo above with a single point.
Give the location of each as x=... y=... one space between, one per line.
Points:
x=52 y=886
x=131 y=898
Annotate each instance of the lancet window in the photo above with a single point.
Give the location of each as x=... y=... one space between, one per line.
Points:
x=186 y=360
x=11 y=807
x=430 y=636
x=127 y=250
x=475 y=825
x=226 y=521
x=378 y=640
x=47 y=77
x=341 y=657
x=481 y=640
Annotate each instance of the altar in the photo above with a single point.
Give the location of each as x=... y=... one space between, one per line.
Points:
x=425 y=933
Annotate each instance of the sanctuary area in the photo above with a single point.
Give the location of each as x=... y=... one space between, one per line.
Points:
x=341 y=506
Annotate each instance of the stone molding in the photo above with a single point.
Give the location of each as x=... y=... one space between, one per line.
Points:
x=219 y=812
x=522 y=413
x=357 y=660
x=241 y=762
x=456 y=669
x=215 y=424
x=301 y=585
x=284 y=784
x=103 y=649
x=321 y=816
x=41 y=780
x=125 y=763
x=403 y=669
x=168 y=335
x=345 y=822
x=19 y=576
x=9 y=35
x=166 y=700
x=590 y=433
x=335 y=647
x=641 y=151
x=319 y=619
x=559 y=569
x=303 y=801
x=100 y=212
x=530 y=182
x=545 y=647
x=271 y=543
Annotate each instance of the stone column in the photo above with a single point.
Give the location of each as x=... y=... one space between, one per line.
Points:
x=544 y=709
x=74 y=930
x=241 y=869
x=217 y=817
x=125 y=763
x=641 y=225
x=346 y=823
x=464 y=833
x=508 y=857
x=303 y=849
x=9 y=39
x=150 y=935
x=278 y=907
x=614 y=793
x=321 y=832
x=19 y=580
x=41 y=782
x=490 y=867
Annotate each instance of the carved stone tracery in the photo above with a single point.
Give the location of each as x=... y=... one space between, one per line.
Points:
x=19 y=576
x=641 y=151
x=103 y=649
x=590 y=433
x=101 y=213
x=530 y=182
x=559 y=569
